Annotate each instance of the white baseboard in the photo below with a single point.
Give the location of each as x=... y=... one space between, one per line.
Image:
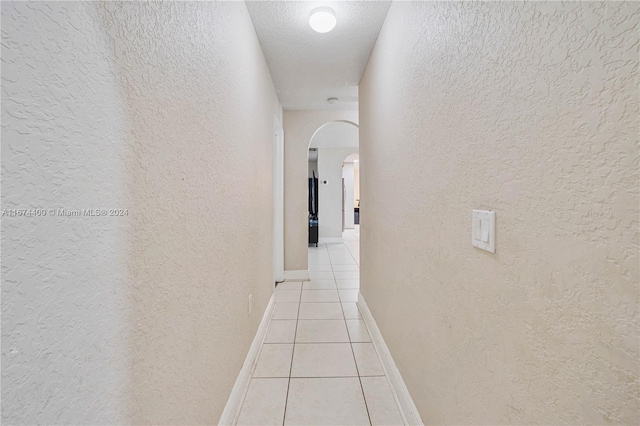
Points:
x=299 y=275
x=330 y=240
x=401 y=393
x=234 y=403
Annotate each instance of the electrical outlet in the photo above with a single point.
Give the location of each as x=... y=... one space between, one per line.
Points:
x=250 y=307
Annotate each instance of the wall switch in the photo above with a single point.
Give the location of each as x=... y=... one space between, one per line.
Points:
x=476 y=229
x=483 y=230
x=250 y=307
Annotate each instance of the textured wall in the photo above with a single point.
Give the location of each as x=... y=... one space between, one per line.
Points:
x=200 y=106
x=530 y=110
x=166 y=110
x=64 y=279
x=299 y=128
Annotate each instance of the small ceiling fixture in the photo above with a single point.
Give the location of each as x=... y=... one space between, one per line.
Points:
x=332 y=100
x=322 y=19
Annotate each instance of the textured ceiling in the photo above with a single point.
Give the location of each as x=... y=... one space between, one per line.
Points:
x=308 y=67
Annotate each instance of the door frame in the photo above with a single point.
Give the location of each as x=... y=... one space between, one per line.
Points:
x=278 y=201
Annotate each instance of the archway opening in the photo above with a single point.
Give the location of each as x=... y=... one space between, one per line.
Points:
x=329 y=147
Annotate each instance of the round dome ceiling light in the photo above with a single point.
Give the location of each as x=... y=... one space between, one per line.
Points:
x=332 y=100
x=322 y=20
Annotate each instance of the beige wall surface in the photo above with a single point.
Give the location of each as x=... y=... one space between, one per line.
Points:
x=198 y=218
x=299 y=128
x=530 y=110
x=65 y=281
x=148 y=107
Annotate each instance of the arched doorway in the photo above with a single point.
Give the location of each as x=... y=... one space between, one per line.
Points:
x=300 y=127
x=330 y=145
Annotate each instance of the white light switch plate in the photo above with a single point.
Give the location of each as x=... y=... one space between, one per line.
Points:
x=483 y=230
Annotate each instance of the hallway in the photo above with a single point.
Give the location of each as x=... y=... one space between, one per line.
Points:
x=165 y=164
x=317 y=364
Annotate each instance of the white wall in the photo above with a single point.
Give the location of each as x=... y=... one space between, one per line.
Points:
x=336 y=134
x=65 y=280
x=148 y=107
x=531 y=110
x=330 y=161
x=348 y=175
x=356 y=183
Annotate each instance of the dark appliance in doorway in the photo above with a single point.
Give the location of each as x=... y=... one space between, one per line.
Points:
x=313 y=209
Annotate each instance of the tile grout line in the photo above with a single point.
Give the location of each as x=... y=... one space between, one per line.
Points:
x=316 y=377
x=352 y=351
x=293 y=351
x=344 y=319
x=257 y=359
x=366 y=406
x=355 y=362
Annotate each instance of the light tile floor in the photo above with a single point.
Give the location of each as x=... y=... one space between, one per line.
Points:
x=317 y=365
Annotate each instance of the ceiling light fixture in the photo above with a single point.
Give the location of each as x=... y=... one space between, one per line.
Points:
x=332 y=100
x=322 y=19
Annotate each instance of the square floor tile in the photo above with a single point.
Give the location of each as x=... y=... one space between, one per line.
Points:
x=264 y=403
x=336 y=255
x=282 y=296
x=321 y=331
x=342 y=260
x=321 y=275
x=318 y=261
x=274 y=360
x=326 y=401
x=348 y=284
x=338 y=250
x=320 y=285
x=348 y=295
x=380 y=401
x=285 y=311
x=320 y=257
x=367 y=359
x=337 y=268
x=351 y=311
x=320 y=267
x=323 y=360
x=347 y=275
x=320 y=249
x=321 y=311
x=309 y=296
x=358 y=331
x=289 y=285
x=281 y=331
x=337 y=247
